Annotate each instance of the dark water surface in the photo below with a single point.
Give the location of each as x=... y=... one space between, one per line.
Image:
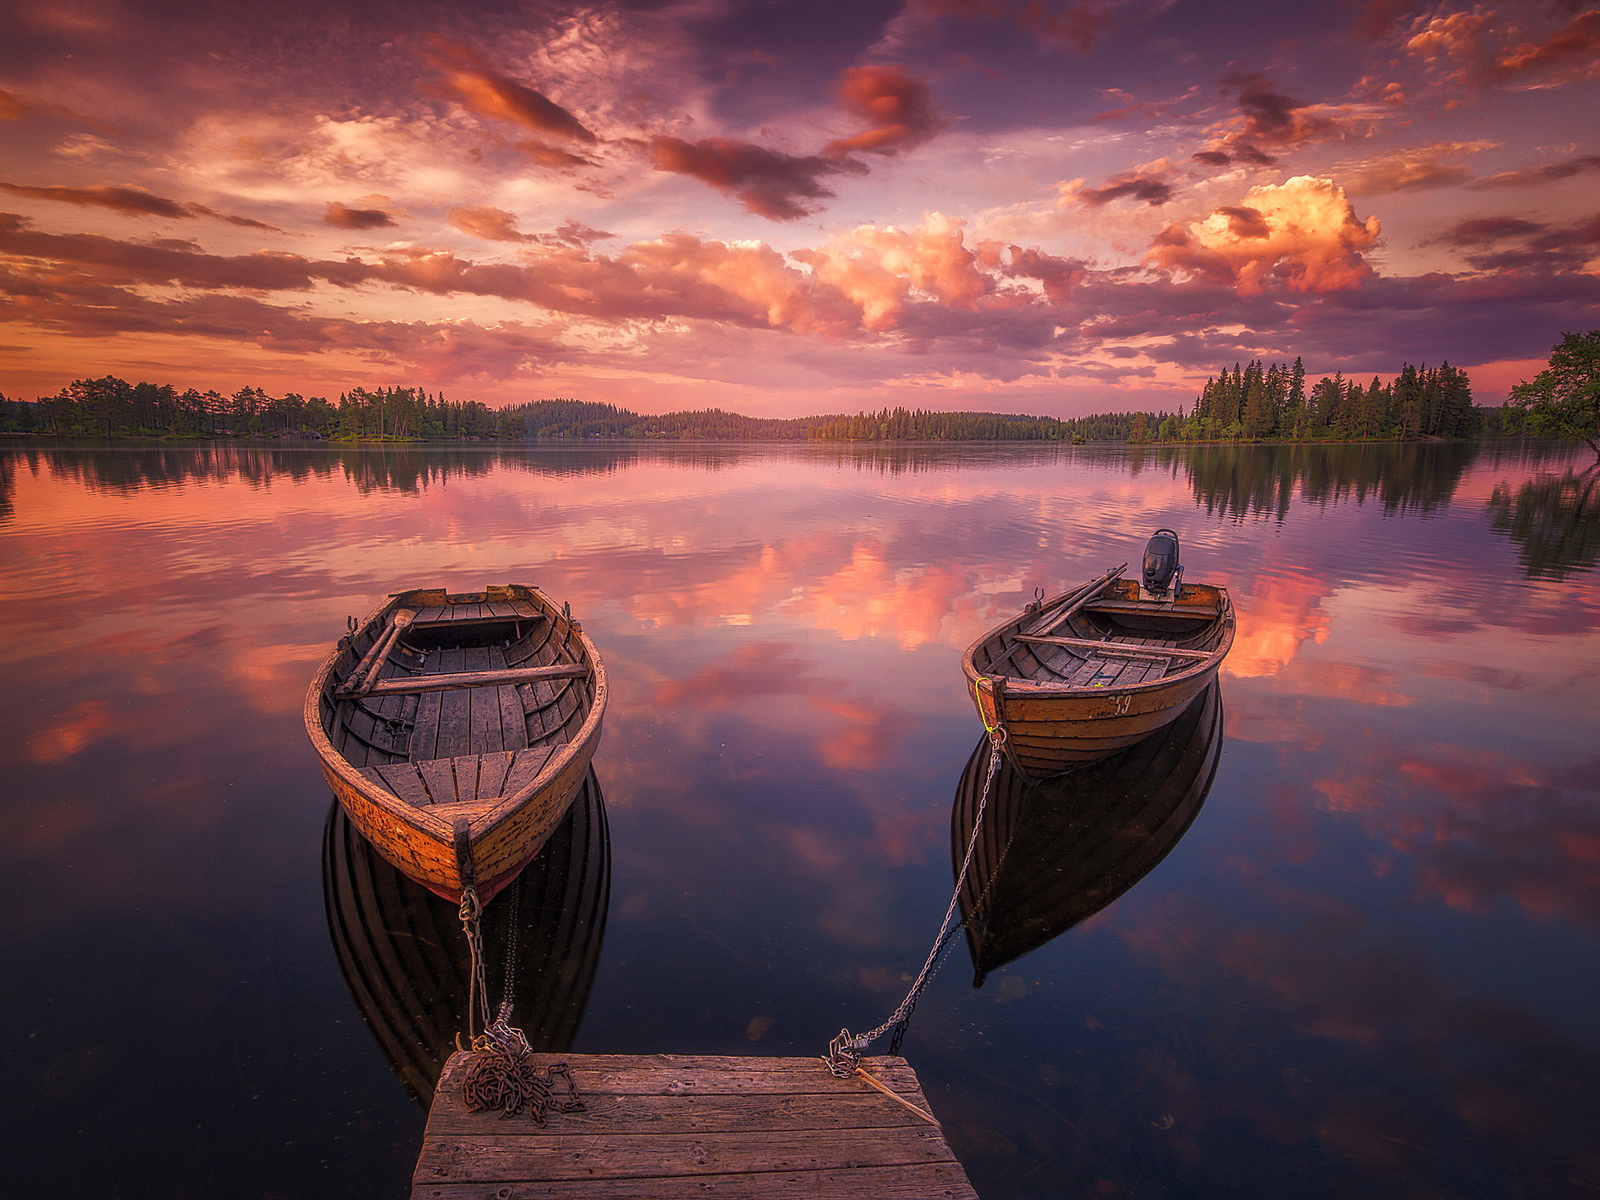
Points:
x=1367 y=967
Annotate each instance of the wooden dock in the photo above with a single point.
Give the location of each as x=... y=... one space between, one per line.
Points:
x=663 y=1126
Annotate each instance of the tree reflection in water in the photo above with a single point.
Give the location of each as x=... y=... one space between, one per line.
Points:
x=1555 y=521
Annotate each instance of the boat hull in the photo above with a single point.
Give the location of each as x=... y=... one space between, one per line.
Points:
x=1056 y=712
x=439 y=834
x=406 y=961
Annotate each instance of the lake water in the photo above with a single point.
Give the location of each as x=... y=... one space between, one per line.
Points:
x=1368 y=967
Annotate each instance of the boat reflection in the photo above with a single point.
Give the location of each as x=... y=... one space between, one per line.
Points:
x=405 y=958
x=1053 y=853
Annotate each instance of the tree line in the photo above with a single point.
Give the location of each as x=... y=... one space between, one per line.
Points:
x=1249 y=403
x=1259 y=402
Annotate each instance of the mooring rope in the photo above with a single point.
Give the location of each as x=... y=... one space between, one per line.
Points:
x=843 y=1058
x=500 y=1075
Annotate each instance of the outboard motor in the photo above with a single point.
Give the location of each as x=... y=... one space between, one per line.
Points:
x=1162 y=571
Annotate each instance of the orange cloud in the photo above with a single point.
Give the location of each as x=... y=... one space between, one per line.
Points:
x=486 y=222
x=898 y=110
x=1419 y=169
x=129 y=202
x=1303 y=233
x=487 y=92
x=1495 y=47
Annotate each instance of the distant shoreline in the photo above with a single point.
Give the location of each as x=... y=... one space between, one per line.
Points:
x=308 y=441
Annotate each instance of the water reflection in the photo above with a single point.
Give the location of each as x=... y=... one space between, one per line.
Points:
x=1553 y=519
x=1227 y=480
x=1402 y=477
x=405 y=958
x=1053 y=854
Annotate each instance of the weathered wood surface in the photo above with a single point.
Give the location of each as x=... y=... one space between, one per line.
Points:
x=1118 y=648
x=663 y=1126
x=410 y=684
x=527 y=714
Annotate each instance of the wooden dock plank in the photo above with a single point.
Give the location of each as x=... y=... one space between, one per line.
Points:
x=668 y=1126
x=935 y=1181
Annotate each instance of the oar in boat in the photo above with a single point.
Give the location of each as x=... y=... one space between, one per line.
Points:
x=1076 y=600
x=359 y=682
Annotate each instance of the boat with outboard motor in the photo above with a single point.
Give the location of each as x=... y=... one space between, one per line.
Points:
x=1084 y=674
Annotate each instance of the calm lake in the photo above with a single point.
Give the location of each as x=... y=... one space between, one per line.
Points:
x=1369 y=967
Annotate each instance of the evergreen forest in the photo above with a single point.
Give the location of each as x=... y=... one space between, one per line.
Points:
x=1247 y=403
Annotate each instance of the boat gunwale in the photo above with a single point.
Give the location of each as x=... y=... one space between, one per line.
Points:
x=1015 y=685
x=424 y=820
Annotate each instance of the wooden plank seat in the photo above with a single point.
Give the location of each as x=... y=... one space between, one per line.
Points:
x=1200 y=612
x=445 y=681
x=1116 y=648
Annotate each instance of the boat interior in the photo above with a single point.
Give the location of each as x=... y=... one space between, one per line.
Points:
x=457 y=701
x=1116 y=639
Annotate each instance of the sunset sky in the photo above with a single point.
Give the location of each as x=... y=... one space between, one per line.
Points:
x=793 y=208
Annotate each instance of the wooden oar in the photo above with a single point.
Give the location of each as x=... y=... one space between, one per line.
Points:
x=1079 y=600
x=408 y=685
x=376 y=653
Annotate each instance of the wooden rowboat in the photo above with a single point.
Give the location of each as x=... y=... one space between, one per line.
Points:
x=455 y=730
x=405 y=958
x=1096 y=669
x=1052 y=854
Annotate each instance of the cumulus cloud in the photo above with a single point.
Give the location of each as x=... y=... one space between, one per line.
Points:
x=129 y=202
x=1057 y=276
x=341 y=217
x=897 y=109
x=878 y=268
x=770 y=183
x=1303 y=234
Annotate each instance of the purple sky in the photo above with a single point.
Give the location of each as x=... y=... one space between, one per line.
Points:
x=792 y=208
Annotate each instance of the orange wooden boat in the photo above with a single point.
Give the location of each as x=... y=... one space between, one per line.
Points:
x=1098 y=668
x=455 y=730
